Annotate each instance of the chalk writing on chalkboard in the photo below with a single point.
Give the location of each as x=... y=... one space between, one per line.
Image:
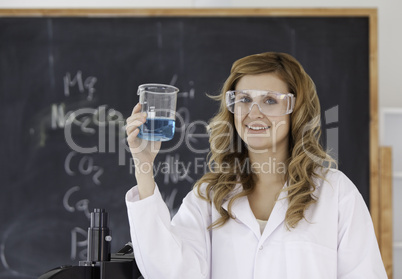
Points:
x=85 y=86
x=107 y=123
x=78 y=162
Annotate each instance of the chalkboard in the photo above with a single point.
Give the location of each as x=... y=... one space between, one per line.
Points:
x=67 y=84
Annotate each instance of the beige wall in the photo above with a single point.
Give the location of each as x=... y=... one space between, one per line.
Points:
x=390 y=38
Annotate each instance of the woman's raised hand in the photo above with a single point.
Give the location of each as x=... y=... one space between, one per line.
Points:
x=143 y=151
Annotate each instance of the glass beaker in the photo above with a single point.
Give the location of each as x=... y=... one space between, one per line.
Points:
x=159 y=102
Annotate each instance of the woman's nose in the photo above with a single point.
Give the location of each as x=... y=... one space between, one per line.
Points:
x=255 y=111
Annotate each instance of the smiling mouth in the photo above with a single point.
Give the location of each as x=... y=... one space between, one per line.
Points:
x=259 y=128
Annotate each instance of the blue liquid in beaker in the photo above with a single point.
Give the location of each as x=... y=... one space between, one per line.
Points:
x=157 y=129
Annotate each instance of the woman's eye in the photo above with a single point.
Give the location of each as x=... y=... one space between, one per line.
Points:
x=271 y=101
x=245 y=100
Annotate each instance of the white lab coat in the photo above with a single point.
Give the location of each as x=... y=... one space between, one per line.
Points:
x=336 y=241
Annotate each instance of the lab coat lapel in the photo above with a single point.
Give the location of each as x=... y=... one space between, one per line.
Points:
x=242 y=212
x=277 y=216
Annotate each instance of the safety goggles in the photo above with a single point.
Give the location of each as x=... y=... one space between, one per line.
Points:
x=270 y=103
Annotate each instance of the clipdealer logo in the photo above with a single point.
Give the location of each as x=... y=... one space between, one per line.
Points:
x=109 y=124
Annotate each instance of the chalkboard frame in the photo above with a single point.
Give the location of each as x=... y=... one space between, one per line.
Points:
x=369 y=13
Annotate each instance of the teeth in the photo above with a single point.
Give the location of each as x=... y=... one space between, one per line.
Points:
x=257 y=128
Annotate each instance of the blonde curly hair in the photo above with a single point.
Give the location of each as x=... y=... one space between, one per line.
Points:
x=307 y=157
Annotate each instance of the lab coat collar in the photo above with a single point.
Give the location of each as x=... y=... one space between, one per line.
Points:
x=277 y=216
x=242 y=212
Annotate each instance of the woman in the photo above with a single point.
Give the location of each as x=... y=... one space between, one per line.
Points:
x=245 y=219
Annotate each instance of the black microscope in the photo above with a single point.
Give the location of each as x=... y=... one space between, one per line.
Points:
x=100 y=263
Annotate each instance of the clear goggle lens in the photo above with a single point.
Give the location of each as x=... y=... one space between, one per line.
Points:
x=270 y=103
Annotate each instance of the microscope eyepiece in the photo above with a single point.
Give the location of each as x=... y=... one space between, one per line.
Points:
x=99 y=237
